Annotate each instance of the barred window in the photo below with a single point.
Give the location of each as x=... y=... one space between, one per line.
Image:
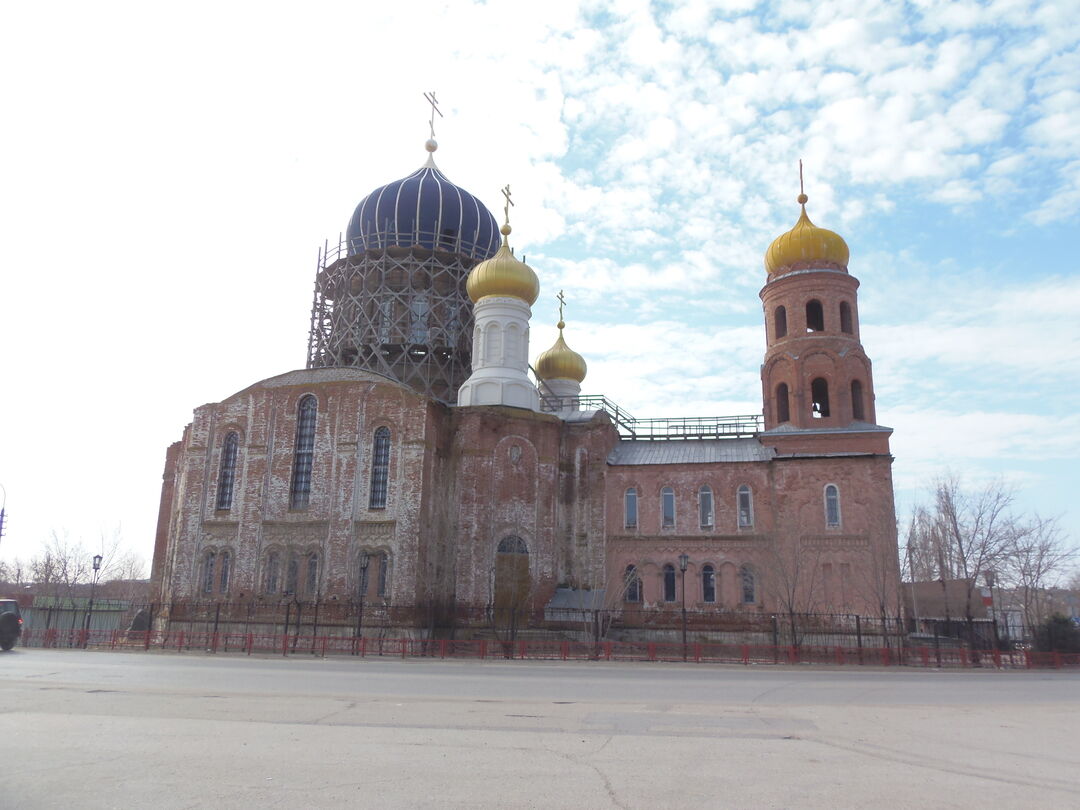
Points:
x=273 y=571
x=304 y=453
x=384 y=573
x=708 y=584
x=633 y=584
x=292 y=574
x=669 y=583
x=228 y=471
x=226 y=571
x=705 y=505
x=749 y=585
x=630 y=508
x=380 y=468
x=312 y=574
x=667 y=506
x=746 y=507
x=208 y=572
x=832 y=506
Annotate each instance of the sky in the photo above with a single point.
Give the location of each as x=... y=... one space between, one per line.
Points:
x=169 y=172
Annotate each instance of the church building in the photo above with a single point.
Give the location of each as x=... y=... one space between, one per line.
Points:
x=420 y=459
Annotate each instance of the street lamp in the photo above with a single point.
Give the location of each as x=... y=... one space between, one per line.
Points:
x=684 y=560
x=93 y=590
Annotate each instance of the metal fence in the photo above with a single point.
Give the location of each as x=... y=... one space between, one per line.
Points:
x=537 y=650
x=378 y=619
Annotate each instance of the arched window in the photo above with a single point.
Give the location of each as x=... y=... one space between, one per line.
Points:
x=708 y=584
x=228 y=471
x=845 y=317
x=749 y=585
x=208 y=572
x=783 y=409
x=630 y=508
x=705 y=506
x=857 y=410
x=303 y=453
x=312 y=583
x=226 y=571
x=632 y=584
x=746 y=507
x=273 y=572
x=380 y=468
x=667 y=506
x=292 y=574
x=512 y=545
x=780 y=322
x=832 y=505
x=669 y=583
x=815 y=316
x=819 y=393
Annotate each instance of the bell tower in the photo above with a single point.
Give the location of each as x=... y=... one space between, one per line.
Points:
x=817 y=382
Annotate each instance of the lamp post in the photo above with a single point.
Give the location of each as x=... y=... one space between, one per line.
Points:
x=364 y=560
x=684 y=560
x=93 y=590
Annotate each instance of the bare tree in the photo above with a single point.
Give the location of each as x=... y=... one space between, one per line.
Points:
x=794 y=581
x=1037 y=559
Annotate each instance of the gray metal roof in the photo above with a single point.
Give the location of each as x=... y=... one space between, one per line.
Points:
x=691 y=451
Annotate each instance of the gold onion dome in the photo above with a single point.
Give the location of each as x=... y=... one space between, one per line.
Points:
x=503 y=274
x=560 y=362
x=806 y=244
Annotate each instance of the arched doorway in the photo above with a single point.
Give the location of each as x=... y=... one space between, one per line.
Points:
x=512 y=581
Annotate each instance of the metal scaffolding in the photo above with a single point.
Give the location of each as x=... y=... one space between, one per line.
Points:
x=398 y=311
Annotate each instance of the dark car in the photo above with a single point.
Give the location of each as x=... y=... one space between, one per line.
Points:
x=10 y=623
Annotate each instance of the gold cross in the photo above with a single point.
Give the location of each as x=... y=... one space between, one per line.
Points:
x=801 y=189
x=562 y=302
x=509 y=202
x=434 y=109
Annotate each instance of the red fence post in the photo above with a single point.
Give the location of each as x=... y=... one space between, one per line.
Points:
x=483 y=647
x=564 y=649
x=442 y=648
x=651 y=650
x=746 y=654
x=404 y=646
x=180 y=643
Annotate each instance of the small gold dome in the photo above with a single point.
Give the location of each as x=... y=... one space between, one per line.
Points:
x=503 y=274
x=806 y=243
x=560 y=362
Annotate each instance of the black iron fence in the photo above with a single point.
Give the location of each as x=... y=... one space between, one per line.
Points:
x=336 y=618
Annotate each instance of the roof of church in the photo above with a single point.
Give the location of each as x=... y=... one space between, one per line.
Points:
x=328 y=374
x=424 y=209
x=690 y=451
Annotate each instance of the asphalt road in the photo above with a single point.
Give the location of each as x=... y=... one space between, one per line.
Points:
x=102 y=729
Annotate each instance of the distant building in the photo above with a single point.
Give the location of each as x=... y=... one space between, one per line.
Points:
x=415 y=462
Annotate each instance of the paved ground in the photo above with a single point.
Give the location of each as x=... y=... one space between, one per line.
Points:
x=100 y=729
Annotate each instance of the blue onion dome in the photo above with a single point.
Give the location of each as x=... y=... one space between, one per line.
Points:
x=426 y=210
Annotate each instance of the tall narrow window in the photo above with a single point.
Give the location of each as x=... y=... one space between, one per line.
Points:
x=749 y=585
x=815 y=316
x=312 y=575
x=304 y=453
x=746 y=507
x=228 y=471
x=708 y=584
x=819 y=393
x=667 y=506
x=832 y=505
x=418 y=319
x=292 y=574
x=783 y=409
x=705 y=506
x=633 y=584
x=384 y=573
x=380 y=468
x=669 y=583
x=273 y=571
x=857 y=410
x=845 y=317
x=226 y=572
x=780 y=322
x=630 y=508
x=208 y=572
